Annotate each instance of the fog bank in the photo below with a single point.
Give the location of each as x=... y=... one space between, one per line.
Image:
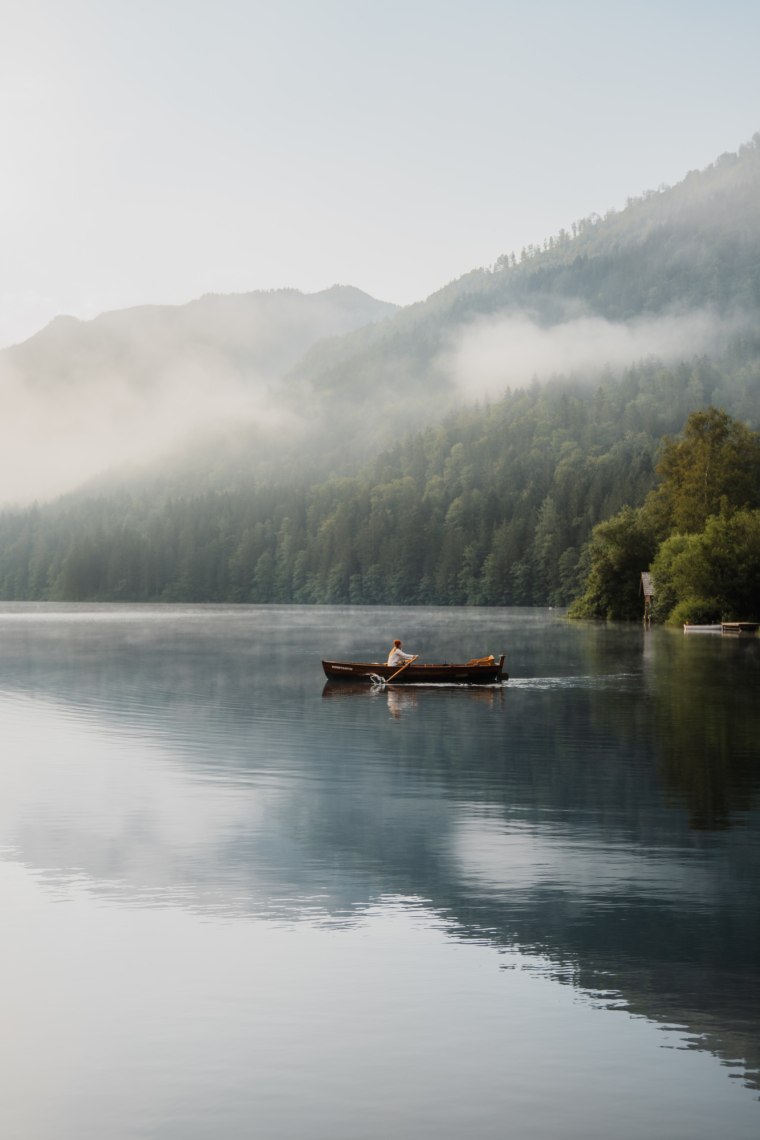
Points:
x=494 y=353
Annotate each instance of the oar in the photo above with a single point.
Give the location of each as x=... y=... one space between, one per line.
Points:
x=401 y=670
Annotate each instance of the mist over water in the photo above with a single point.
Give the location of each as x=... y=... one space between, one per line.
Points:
x=242 y=899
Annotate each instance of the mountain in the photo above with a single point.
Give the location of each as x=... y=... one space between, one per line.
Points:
x=259 y=335
x=459 y=450
x=673 y=275
x=81 y=396
x=692 y=248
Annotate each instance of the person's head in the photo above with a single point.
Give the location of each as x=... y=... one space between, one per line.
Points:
x=397 y=644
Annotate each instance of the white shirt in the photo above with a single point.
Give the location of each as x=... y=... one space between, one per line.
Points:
x=398 y=657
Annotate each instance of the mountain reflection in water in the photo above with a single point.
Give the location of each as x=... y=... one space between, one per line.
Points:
x=598 y=813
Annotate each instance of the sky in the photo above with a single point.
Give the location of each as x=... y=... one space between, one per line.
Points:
x=156 y=150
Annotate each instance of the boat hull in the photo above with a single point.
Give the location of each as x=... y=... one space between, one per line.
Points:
x=365 y=672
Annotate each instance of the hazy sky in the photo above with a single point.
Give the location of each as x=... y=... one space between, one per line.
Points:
x=155 y=150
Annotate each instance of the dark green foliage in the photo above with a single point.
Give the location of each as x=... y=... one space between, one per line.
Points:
x=700 y=530
x=713 y=575
x=618 y=550
x=717 y=459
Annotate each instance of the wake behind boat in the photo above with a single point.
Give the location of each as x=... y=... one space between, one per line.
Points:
x=479 y=671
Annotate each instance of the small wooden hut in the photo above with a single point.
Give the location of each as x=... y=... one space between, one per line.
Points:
x=647 y=589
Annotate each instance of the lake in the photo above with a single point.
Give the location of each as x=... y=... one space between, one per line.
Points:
x=239 y=902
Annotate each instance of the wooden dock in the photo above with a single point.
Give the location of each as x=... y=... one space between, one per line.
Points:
x=739 y=627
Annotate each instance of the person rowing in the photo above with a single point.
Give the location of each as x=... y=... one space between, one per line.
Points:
x=397 y=656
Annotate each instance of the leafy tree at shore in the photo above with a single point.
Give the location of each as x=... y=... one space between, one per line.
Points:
x=616 y=553
x=699 y=530
x=713 y=574
x=716 y=460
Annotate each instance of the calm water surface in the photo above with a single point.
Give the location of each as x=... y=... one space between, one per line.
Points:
x=240 y=903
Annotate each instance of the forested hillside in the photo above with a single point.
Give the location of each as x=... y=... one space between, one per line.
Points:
x=492 y=507
x=692 y=247
x=461 y=450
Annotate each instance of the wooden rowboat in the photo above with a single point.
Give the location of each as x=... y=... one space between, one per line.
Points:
x=483 y=671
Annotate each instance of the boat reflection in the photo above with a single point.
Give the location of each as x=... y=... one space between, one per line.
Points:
x=406 y=698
